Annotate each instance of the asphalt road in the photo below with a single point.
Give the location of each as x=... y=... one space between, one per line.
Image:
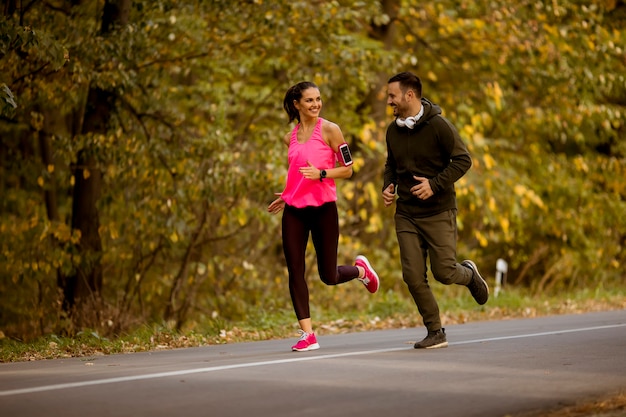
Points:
x=489 y=369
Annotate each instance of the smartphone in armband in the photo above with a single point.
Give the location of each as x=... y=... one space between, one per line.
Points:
x=344 y=152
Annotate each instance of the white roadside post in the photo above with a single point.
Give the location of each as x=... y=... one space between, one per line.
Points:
x=501 y=269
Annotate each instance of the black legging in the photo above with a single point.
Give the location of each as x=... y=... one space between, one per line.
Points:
x=323 y=225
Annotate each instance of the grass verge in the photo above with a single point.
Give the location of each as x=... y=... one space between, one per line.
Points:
x=385 y=311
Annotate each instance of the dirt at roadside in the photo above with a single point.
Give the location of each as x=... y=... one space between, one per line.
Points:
x=610 y=406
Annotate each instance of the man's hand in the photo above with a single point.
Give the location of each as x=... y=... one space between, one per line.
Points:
x=389 y=195
x=422 y=190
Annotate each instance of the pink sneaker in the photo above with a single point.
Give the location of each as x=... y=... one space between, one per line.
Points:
x=370 y=280
x=307 y=342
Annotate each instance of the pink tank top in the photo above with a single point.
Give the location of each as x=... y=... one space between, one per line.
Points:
x=299 y=191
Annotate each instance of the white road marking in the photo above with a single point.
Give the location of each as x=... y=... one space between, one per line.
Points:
x=273 y=362
x=583 y=329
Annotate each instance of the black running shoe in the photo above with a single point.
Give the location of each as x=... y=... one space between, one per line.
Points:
x=434 y=340
x=478 y=287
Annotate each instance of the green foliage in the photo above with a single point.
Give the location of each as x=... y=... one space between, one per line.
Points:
x=193 y=153
x=545 y=127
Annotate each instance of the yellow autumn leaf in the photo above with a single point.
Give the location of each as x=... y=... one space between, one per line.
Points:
x=372 y=193
x=489 y=161
x=581 y=165
x=375 y=224
x=363 y=214
x=482 y=240
x=467 y=130
x=497 y=96
x=505 y=224
x=242 y=218
x=348 y=194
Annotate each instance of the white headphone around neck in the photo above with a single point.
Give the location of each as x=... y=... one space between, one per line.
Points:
x=408 y=122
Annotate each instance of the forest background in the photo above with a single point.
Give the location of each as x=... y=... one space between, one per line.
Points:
x=141 y=145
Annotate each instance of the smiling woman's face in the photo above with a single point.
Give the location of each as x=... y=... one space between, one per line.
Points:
x=310 y=104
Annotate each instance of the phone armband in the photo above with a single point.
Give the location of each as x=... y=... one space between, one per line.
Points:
x=344 y=155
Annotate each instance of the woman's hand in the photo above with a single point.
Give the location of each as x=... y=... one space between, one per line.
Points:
x=277 y=205
x=310 y=172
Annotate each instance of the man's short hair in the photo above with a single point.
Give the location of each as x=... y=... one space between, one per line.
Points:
x=408 y=81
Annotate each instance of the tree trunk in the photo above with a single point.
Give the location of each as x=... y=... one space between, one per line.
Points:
x=50 y=193
x=9 y=7
x=82 y=290
x=386 y=33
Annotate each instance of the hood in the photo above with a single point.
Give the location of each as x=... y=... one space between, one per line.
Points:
x=430 y=110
